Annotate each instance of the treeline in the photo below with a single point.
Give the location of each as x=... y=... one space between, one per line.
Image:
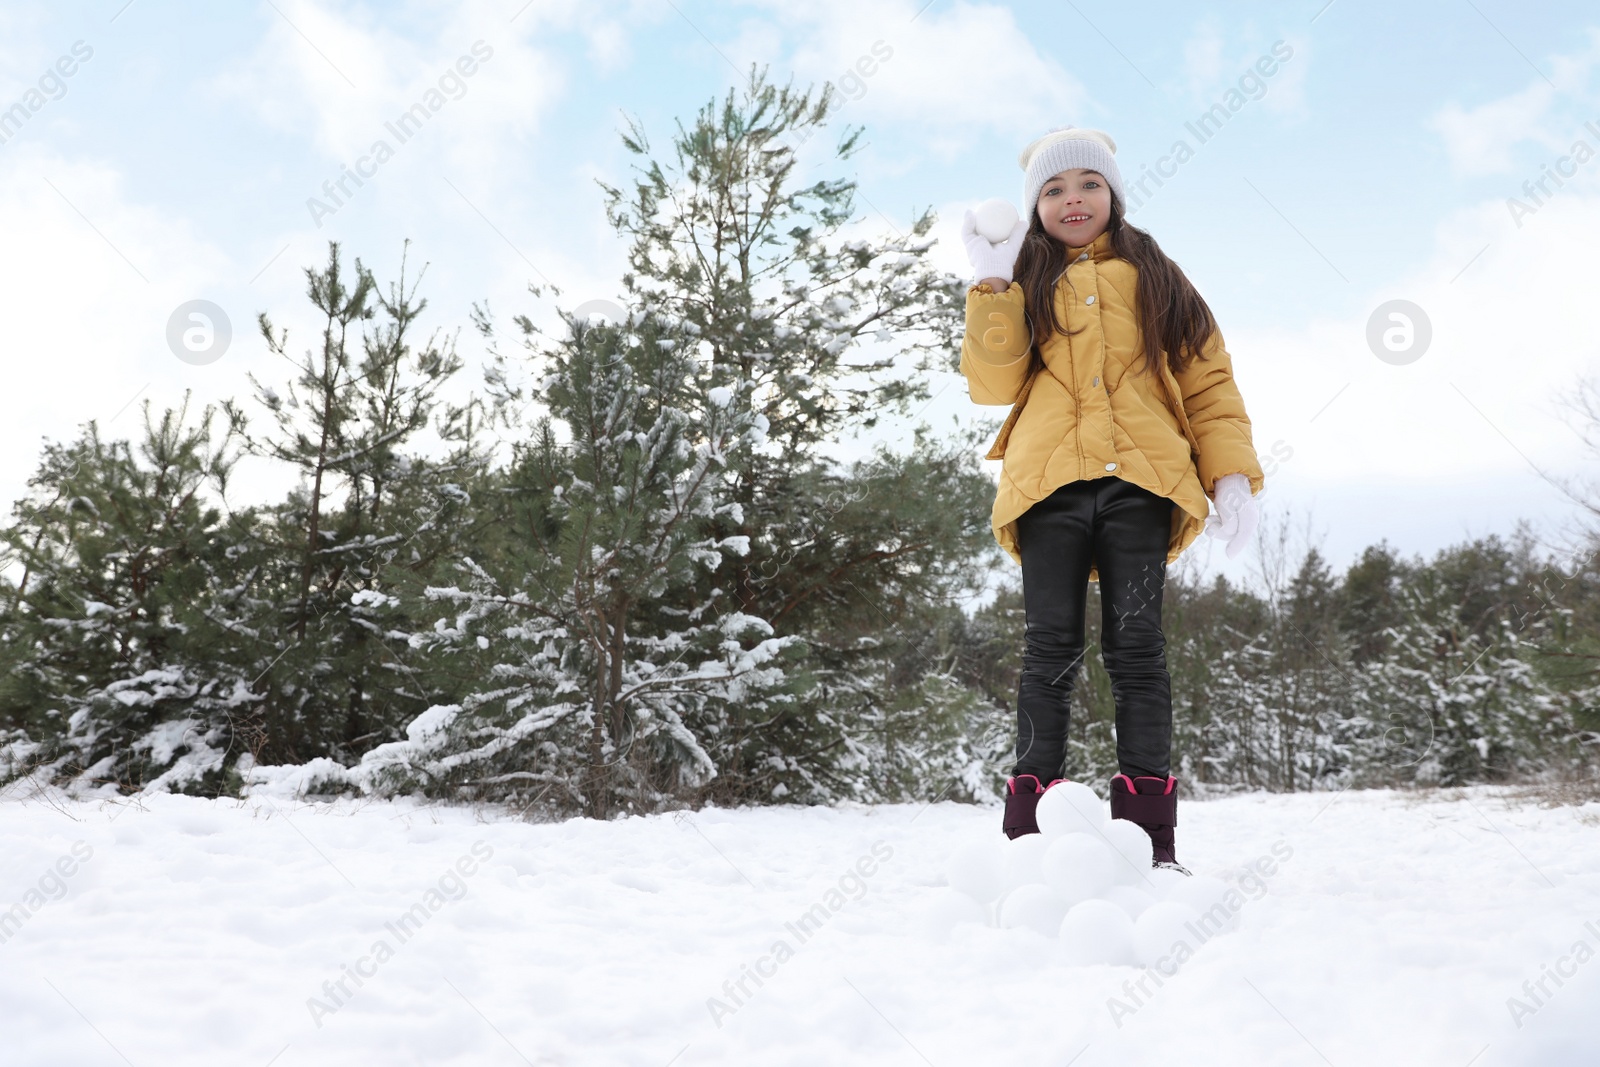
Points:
x=1481 y=664
x=621 y=576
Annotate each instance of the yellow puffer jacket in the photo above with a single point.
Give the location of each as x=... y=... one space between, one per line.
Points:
x=1093 y=412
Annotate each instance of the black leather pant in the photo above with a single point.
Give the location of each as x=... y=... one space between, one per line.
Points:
x=1124 y=530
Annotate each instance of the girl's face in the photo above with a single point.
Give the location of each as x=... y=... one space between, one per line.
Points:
x=1075 y=206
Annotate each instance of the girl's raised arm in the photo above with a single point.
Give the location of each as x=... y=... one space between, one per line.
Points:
x=994 y=349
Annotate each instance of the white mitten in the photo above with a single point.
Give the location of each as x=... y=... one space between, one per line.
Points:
x=991 y=260
x=1237 y=512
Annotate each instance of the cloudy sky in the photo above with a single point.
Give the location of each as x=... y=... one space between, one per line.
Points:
x=1368 y=154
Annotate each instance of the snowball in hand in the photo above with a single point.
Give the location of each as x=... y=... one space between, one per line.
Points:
x=1097 y=931
x=1070 y=807
x=1079 y=866
x=976 y=870
x=996 y=218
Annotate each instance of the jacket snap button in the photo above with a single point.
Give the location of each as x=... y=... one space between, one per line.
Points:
x=1090 y=300
x=1111 y=466
x=1095 y=382
x=1081 y=257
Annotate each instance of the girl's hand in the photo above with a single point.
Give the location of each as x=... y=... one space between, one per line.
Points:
x=991 y=260
x=1237 y=513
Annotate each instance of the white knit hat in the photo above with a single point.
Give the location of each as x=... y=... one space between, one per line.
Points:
x=1061 y=149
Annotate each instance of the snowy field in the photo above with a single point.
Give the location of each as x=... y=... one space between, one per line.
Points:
x=1393 y=928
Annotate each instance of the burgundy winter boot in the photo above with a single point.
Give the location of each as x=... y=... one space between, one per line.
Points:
x=1022 y=798
x=1152 y=804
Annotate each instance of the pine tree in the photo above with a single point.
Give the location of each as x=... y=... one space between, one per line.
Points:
x=726 y=239
x=743 y=303
x=125 y=664
x=334 y=673
x=1447 y=705
x=595 y=678
x=1369 y=600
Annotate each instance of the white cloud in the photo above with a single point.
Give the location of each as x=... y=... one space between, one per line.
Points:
x=93 y=293
x=1202 y=60
x=1211 y=69
x=951 y=73
x=609 y=46
x=1512 y=333
x=1286 y=89
x=24 y=52
x=1482 y=139
x=486 y=143
x=296 y=79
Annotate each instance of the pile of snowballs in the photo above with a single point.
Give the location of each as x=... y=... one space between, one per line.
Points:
x=1085 y=878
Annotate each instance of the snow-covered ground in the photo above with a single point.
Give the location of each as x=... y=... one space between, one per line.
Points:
x=180 y=931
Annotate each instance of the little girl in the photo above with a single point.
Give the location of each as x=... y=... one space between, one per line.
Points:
x=1124 y=418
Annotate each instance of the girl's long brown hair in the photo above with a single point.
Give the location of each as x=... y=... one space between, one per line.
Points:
x=1173 y=317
